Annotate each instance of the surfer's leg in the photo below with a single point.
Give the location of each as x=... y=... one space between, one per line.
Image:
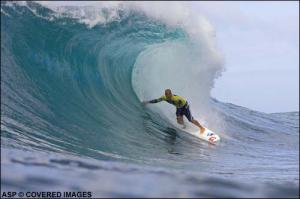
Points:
x=180 y=120
x=189 y=116
x=179 y=116
x=202 y=129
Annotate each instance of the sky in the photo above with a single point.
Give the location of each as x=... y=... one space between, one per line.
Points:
x=260 y=45
x=259 y=41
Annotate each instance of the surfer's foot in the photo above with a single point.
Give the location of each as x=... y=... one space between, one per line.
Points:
x=202 y=129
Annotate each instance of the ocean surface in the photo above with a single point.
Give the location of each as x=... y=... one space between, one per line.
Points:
x=72 y=82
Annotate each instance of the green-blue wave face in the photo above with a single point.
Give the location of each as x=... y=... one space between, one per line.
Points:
x=70 y=86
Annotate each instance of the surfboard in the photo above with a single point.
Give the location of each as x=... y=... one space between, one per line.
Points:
x=208 y=135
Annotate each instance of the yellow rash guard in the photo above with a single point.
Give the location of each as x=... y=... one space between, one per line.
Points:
x=175 y=100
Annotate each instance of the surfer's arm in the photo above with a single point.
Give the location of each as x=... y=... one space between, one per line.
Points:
x=154 y=100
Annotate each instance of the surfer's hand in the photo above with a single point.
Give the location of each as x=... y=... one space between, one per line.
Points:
x=144 y=102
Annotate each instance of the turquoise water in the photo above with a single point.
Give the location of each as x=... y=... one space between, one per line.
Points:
x=70 y=106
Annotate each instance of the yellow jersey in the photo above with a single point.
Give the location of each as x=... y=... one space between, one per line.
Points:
x=176 y=100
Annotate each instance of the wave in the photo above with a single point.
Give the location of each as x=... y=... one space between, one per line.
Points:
x=72 y=80
x=75 y=81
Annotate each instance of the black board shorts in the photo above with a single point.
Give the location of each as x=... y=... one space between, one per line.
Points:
x=185 y=110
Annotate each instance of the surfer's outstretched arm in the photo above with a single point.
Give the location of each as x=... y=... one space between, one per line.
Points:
x=153 y=101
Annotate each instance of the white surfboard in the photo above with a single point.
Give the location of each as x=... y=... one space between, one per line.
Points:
x=207 y=135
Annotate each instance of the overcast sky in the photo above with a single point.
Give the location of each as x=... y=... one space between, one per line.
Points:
x=260 y=43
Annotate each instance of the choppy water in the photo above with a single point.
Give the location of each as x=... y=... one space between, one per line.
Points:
x=71 y=117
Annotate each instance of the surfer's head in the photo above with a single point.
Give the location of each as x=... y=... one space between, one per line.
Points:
x=168 y=93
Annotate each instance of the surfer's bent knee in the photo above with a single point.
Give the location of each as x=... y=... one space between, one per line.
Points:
x=179 y=119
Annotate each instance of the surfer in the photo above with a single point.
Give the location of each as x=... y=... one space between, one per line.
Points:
x=182 y=107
